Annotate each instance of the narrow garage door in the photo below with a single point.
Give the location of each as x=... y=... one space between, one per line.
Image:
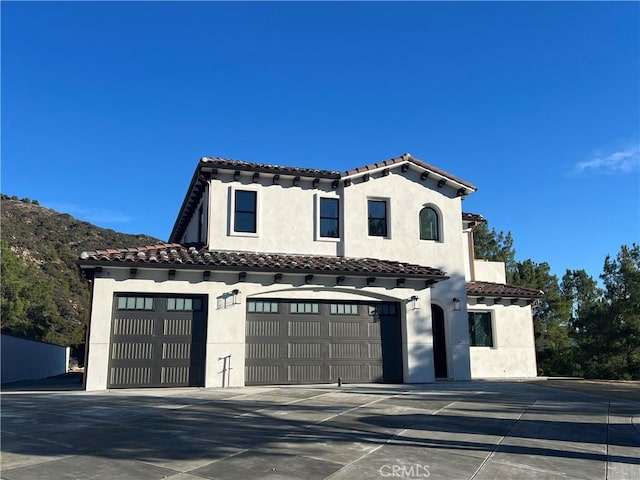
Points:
x=157 y=341
x=302 y=342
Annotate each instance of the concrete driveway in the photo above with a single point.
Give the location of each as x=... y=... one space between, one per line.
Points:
x=452 y=430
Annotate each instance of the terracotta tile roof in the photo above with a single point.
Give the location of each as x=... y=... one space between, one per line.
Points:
x=473 y=217
x=490 y=289
x=174 y=255
x=223 y=163
x=407 y=157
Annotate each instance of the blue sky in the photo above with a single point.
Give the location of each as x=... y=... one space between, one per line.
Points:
x=107 y=106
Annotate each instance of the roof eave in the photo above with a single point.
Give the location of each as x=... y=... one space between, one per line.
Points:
x=89 y=264
x=407 y=159
x=195 y=179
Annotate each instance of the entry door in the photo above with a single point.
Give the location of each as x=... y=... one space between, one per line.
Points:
x=439 y=342
x=157 y=341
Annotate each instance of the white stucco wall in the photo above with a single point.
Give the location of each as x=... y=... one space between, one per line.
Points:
x=286 y=216
x=191 y=231
x=487 y=271
x=513 y=354
x=226 y=321
x=406 y=195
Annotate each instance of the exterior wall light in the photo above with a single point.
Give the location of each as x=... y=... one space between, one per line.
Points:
x=236 y=296
x=414 y=302
x=456 y=304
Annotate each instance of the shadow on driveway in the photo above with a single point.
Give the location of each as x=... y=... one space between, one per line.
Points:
x=459 y=430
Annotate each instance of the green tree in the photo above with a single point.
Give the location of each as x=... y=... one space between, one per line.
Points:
x=608 y=330
x=494 y=246
x=14 y=302
x=581 y=292
x=28 y=303
x=555 y=350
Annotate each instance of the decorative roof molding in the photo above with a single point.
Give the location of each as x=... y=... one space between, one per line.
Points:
x=225 y=164
x=407 y=160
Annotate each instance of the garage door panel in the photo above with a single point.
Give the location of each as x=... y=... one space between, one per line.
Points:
x=373 y=329
x=264 y=374
x=132 y=351
x=154 y=344
x=263 y=328
x=316 y=342
x=307 y=373
x=304 y=350
x=349 y=350
x=346 y=328
x=176 y=351
x=133 y=326
x=130 y=376
x=263 y=350
x=304 y=328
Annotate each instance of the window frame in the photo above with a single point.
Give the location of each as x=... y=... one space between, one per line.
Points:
x=353 y=309
x=273 y=306
x=386 y=218
x=183 y=304
x=438 y=222
x=300 y=308
x=128 y=298
x=233 y=211
x=319 y=217
x=473 y=341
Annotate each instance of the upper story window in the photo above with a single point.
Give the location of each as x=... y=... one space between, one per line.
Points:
x=378 y=218
x=480 y=331
x=429 y=224
x=329 y=217
x=245 y=211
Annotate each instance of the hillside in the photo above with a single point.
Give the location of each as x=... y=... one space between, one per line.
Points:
x=43 y=295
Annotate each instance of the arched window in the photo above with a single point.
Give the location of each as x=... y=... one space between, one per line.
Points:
x=429 y=228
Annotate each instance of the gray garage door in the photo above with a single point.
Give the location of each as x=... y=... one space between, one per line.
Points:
x=157 y=341
x=302 y=342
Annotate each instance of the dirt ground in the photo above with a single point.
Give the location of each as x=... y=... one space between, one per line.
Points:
x=609 y=388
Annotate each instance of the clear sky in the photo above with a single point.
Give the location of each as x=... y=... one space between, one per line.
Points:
x=108 y=106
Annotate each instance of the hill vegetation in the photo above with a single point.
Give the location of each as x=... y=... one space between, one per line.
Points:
x=43 y=295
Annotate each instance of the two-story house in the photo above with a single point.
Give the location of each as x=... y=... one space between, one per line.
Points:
x=284 y=275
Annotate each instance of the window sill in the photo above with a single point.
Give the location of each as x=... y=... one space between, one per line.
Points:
x=244 y=234
x=328 y=239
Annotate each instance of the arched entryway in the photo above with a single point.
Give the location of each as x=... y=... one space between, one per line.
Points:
x=439 y=342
